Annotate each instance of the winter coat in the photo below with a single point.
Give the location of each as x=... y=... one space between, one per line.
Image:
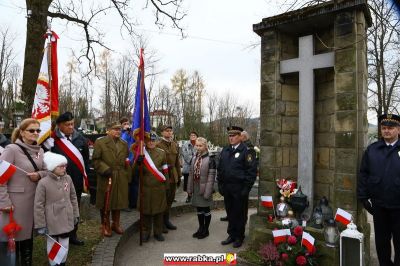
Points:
x=19 y=191
x=172 y=151
x=110 y=154
x=4 y=141
x=56 y=204
x=379 y=177
x=81 y=143
x=188 y=151
x=202 y=189
x=154 y=191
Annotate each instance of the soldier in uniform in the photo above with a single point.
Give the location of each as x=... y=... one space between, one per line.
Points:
x=109 y=159
x=65 y=130
x=154 y=191
x=379 y=188
x=237 y=170
x=172 y=151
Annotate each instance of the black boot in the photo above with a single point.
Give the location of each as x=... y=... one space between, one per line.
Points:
x=25 y=252
x=167 y=223
x=207 y=220
x=200 y=218
x=73 y=239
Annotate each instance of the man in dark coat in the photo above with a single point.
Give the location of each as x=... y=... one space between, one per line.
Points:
x=237 y=172
x=65 y=131
x=379 y=188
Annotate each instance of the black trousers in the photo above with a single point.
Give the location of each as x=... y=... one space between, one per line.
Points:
x=235 y=204
x=185 y=181
x=386 y=225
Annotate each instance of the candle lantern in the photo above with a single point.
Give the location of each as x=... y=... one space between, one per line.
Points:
x=331 y=233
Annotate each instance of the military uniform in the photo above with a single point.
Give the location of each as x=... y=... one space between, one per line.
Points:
x=172 y=152
x=237 y=170
x=154 y=194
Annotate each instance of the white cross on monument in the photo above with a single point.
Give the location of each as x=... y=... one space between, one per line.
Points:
x=305 y=65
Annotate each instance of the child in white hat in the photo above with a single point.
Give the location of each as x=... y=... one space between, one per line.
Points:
x=56 y=206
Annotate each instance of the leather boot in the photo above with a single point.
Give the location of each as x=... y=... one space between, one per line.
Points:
x=167 y=223
x=26 y=252
x=115 y=226
x=105 y=224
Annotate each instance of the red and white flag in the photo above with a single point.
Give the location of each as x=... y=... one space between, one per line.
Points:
x=46 y=96
x=57 y=251
x=343 y=216
x=308 y=241
x=267 y=201
x=6 y=171
x=280 y=235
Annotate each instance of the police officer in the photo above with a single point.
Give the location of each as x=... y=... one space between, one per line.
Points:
x=237 y=171
x=379 y=188
x=80 y=150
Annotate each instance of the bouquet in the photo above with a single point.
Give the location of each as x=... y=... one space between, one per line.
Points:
x=287 y=187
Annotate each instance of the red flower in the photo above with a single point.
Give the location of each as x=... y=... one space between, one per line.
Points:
x=285 y=256
x=301 y=260
x=292 y=240
x=298 y=231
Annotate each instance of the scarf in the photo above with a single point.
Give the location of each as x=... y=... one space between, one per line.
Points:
x=197 y=166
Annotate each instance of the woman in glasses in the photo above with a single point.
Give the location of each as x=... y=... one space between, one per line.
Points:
x=18 y=193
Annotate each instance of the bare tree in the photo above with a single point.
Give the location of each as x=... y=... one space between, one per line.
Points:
x=86 y=15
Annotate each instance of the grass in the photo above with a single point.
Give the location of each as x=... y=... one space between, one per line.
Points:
x=89 y=231
x=251 y=256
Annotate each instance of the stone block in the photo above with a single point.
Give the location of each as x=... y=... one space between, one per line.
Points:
x=345 y=121
x=285 y=156
x=324 y=123
x=322 y=158
x=295 y=140
x=322 y=189
x=267 y=188
x=280 y=107
x=292 y=108
x=279 y=156
x=267 y=174
x=290 y=92
x=286 y=140
x=267 y=123
x=332 y=162
x=270 y=139
x=346 y=161
x=269 y=55
x=344 y=18
x=290 y=124
x=268 y=71
x=345 y=60
x=324 y=139
x=345 y=82
x=268 y=107
x=345 y=140
x=289 y=172
x=293 y=159
x=346 y=101
x=324 y=176
x=267 y=158
x=346 y=181
x=345 y=199
x=268 y=90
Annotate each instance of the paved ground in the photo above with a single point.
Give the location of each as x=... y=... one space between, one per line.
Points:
x=181 y=240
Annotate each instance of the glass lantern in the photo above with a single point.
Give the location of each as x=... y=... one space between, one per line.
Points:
x=317 y=218
x=331 y=233
x=282 y=208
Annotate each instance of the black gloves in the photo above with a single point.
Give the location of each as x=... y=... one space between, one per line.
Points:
x=140 y=159
x=107 y=173
x=221 y=188
x=368 y=206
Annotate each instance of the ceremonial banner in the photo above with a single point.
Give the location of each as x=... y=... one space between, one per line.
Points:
x=46 y=95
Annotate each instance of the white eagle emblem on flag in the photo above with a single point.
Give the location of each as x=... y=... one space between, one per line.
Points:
x=41 y=104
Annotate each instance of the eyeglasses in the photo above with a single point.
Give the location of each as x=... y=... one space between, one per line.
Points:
x=62 y=166
x=31 y=130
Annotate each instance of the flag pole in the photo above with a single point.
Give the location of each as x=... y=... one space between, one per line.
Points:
x=141 y=140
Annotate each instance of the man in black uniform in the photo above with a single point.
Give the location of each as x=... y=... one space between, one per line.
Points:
x=379 y=188
x=77 y=156
x=237 y=171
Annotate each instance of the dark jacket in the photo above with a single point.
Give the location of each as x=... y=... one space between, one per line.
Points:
x=379 y=177
x=4 y=141
x=237 y=166
x=81 y=143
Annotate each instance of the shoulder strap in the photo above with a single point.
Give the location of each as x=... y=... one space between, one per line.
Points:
x=29 y=157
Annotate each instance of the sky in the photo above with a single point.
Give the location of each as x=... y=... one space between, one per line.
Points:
x=219 y=35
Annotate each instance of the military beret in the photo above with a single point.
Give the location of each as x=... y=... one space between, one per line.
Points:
x=391 y=120
x=114 y=125
x=67 y=116
x=165 y=127
x=234 y=130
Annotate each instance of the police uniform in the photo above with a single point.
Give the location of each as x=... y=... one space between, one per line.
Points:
x=379 y=191
x=237 y=171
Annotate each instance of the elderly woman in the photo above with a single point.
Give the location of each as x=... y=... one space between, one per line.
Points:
x=18 y=193
x=200 y=186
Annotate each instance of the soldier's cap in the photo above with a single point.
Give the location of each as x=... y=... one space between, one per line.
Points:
x=114 y=125
x=234 y=130
x=165 y=127
x=390 y=120
x=67 y=116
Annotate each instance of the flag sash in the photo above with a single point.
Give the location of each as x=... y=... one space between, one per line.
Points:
x=148 y=162
x=73 y=153
x=6 y=171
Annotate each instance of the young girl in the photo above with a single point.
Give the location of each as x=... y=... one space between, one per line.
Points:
x=56 y=206
x=200 y=186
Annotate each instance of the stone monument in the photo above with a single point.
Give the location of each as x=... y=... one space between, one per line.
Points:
x=314 y=108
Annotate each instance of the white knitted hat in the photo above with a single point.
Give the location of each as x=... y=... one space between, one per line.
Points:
x=52 y=160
